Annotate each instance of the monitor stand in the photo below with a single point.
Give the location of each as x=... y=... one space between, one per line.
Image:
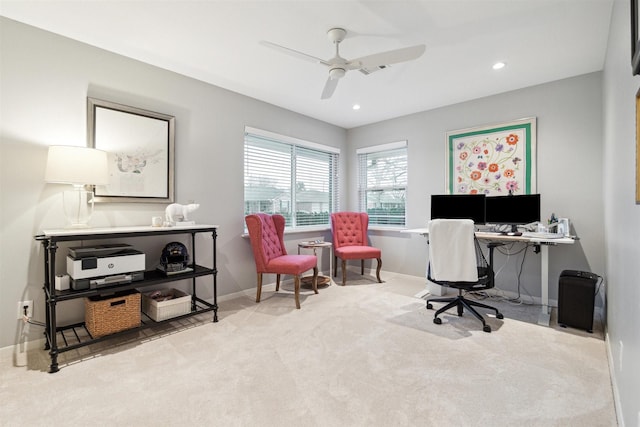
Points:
x=514 y=231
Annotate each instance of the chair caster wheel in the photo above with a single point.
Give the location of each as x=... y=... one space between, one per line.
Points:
x=437 y=321
x=429 y=306
x=486 y=328
x=499 y=316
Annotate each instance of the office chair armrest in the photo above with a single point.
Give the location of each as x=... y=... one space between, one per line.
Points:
x=492 y=246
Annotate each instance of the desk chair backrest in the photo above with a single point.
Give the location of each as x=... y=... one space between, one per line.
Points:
x=452 y=250
x=267 y=238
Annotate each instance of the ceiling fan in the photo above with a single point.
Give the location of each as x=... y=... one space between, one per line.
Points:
x=338 y=66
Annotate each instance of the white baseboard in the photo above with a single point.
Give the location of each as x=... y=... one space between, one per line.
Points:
x=614 y=383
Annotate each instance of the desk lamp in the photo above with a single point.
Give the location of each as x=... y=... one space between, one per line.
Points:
x=78 y=166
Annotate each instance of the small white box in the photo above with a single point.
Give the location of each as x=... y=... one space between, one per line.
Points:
x=162 y=310
x=62 y=282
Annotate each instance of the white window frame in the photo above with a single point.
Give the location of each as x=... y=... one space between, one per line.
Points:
x=295 y=144
x=364 y=189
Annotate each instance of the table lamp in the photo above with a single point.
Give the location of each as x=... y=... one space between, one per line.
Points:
x=78 y=166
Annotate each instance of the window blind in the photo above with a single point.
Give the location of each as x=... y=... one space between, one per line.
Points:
x=382 y=183
x=290 y=177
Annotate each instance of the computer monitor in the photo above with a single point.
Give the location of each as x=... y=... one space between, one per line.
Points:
x=513 y=210
x=458 y=206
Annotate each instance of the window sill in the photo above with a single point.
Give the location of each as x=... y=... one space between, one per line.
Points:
x=300 y=230
x=327 y=228
x=308 y=229
x=383 y=228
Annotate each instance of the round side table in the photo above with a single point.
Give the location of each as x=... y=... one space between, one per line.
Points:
x=323 y=281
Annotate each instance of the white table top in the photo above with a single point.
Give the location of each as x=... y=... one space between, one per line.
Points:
x=132 y=229
x=487 y=235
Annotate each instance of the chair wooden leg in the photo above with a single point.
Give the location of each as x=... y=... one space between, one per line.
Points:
x=297 y=289
x=315 y=280
x=344 y=272
x=277 y=282
x=335 y=266
x=362 y=267
x=378 y=270
x=259 y=287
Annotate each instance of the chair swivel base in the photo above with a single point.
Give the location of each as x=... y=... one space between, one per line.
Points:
x=461 y=303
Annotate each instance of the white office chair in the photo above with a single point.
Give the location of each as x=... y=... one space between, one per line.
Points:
x=456 y=261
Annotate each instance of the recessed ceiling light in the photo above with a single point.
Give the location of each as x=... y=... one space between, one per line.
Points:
x=498 y=65
x=356 y=106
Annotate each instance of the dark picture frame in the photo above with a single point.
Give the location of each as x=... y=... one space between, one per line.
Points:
x=140 y=148
x=638 y=148
x=635 y=38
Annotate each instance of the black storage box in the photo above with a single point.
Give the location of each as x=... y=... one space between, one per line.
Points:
x=576 y=299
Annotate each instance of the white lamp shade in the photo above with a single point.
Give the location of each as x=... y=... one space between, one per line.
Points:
x=76 y=165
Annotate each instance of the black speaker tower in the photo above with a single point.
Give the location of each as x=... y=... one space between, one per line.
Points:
x=576 y=299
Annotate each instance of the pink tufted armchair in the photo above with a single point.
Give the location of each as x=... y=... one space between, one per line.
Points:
x=266 y=235
x=349 y=231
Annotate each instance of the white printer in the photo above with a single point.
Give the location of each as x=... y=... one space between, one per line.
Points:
x=104 y=265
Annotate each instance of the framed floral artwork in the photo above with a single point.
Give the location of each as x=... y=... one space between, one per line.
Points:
x=492 y=160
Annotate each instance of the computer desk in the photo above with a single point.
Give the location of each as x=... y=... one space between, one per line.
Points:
x=545 y=314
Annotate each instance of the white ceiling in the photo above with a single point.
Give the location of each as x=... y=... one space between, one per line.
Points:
x=219 y=42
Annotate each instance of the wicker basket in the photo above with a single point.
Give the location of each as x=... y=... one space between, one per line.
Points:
x=113 y=313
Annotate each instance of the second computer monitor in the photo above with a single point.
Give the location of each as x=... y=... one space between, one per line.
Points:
x=458 y=206
x=513 y=210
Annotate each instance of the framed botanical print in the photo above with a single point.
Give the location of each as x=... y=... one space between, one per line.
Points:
x=492 y=160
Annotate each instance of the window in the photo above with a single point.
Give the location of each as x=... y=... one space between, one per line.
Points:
x=382 y=183
x=290 y=177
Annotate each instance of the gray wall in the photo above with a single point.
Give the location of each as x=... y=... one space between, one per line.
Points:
x=569 y=172
x=45 y=80
x=622 y=218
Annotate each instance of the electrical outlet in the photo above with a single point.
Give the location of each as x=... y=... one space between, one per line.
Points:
x=21 y=306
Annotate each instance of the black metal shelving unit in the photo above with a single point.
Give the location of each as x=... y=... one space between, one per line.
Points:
x=60 y=339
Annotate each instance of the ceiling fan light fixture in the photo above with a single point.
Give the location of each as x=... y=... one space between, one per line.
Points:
x=337 y=73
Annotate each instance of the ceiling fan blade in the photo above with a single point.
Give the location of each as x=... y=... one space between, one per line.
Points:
x=293 y=52
x=379 y=60
x=329 y=88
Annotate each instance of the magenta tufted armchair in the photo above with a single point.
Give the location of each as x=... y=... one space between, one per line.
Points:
x=350 y=241
x=266 y=234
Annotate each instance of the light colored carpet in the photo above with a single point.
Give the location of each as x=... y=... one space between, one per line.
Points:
x=366 y=354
